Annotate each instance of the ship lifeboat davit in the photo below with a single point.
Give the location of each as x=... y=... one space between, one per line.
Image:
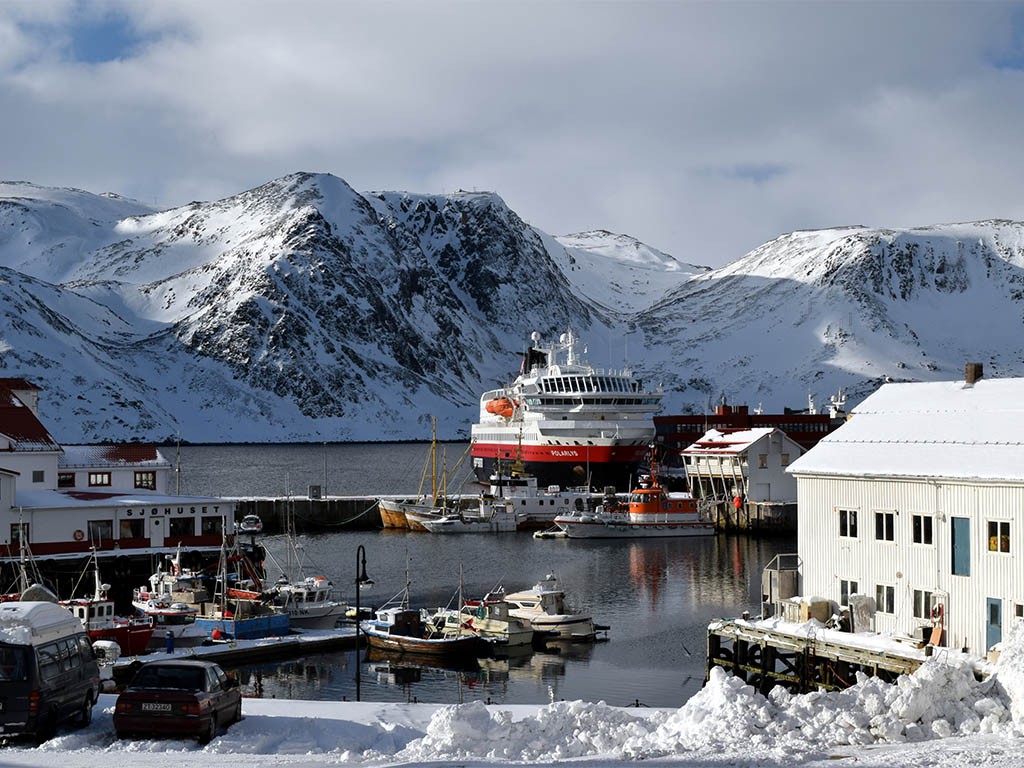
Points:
x=501 y=406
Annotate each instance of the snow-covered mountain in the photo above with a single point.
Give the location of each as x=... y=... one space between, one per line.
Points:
x=812 y=312
x=304 y=310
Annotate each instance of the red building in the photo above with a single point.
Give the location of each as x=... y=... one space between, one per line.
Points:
x=679 y=431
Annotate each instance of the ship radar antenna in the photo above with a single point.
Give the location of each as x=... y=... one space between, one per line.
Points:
x=837 y=403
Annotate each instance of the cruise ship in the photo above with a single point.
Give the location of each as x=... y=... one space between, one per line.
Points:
x=568 y=423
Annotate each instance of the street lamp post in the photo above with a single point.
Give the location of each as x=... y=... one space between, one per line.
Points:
x=361 y=579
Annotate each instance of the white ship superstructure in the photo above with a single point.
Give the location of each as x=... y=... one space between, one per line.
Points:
x=568 y=422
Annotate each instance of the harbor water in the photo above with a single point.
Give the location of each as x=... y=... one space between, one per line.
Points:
x=657 y=595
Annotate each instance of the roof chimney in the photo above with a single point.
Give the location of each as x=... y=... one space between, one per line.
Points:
x=972 y=373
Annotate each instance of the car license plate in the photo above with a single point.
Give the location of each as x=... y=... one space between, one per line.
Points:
x=155 y=706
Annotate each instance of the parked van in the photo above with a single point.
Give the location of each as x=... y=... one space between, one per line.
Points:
x=48 y=673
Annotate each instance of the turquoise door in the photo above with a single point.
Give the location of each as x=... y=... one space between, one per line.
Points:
x=994 y=622
x=961 y=546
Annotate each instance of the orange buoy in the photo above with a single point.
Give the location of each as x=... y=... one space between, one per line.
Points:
x=737 y=502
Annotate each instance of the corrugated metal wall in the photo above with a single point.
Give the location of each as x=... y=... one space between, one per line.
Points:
x=829 y=558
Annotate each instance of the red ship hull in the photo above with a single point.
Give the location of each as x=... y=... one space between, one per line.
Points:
x=568 y=466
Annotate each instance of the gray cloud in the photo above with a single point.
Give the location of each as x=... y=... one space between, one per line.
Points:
x=701 y=128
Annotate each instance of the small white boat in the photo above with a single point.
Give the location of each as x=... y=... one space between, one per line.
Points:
x=544 y=606
x=309 y=603
x=489 y=517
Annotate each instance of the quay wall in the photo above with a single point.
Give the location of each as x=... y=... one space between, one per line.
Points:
x=336 y=513
x=765 y=519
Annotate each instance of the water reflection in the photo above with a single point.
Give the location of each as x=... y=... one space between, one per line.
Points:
x=657 y=595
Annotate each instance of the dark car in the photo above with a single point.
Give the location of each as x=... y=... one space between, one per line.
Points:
x=178 y=698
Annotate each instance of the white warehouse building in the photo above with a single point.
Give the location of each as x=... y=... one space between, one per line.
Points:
x=918 y=502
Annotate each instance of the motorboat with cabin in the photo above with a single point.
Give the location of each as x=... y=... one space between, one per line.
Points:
x=544 y=607
x=572 y=423
x=97 y=614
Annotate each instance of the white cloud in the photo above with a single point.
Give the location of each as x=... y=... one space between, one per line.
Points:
x=701 y=128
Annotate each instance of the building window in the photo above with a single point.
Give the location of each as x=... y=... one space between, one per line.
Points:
x=181 y=526
x=848 y=523
x=38 y=476
x=784 y=459
x=885 y=598
x=1018 y=610
x=99 y=478
x=133 y=529
x=846 y=588
x=212 y=526
x=65 y=479
x=884 y=522
x=923 y=529
x=145 y=480
x=960 y=544
x=762 y=461
x=998 y=536
x=922 y=604
x=100 y=531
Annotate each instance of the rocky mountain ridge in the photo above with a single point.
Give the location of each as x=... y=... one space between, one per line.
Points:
x=303 y=310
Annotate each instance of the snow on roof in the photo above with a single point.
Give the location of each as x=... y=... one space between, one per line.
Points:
x=728 y=441
x=43 y=499
x=935 y=429
x=112 y=456
x=21 y=425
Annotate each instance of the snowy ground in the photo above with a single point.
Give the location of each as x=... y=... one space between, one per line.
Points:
x=941 y=715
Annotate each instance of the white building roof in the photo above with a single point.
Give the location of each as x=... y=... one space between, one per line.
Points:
x=934 y=429
x=728 y=442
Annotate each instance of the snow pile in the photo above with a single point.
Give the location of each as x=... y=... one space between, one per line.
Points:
x=559 y=731
x=942 y=698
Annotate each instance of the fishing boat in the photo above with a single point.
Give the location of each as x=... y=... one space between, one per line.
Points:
x=401 y=629
x=576 y=424
x=172 y=599
x=545 y=608
x=412 y=515
x=241 y=609
x=96 y=612
x=650 y=512
x=489 y=619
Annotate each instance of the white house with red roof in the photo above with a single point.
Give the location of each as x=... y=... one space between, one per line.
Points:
x=746 y=463
x=917 y=502
x=64 y=501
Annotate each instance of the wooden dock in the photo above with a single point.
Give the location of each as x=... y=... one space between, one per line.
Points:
x=765 y=657
x=235 y=654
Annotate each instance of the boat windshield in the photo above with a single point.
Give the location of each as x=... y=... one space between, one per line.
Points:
x=13 y=663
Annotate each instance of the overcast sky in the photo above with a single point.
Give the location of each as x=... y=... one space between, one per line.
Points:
x=703 y=129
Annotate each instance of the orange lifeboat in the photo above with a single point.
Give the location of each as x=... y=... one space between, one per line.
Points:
x=501 y=406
